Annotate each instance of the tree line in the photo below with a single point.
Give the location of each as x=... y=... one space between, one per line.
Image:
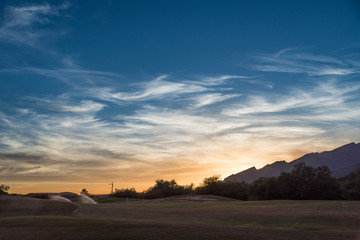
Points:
x=302 y=183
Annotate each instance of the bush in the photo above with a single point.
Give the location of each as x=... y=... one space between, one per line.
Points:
x=350 y=186
x=264 y=189
x=84 y=191
x=210 y=186
x=164 y=188
x=125 y=193
x=38 y=195
x=213 y=186
x=302 y=183
x=4 y=189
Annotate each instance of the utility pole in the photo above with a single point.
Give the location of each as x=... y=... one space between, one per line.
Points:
x=112 y=187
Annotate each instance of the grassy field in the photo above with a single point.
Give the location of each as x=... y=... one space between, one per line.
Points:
x=180 y=218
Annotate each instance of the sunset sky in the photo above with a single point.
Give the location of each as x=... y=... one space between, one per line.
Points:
x=132 y=91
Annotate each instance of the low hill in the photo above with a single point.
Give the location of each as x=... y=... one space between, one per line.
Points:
x=25 y=206
x=194 y=198
x=341 y=161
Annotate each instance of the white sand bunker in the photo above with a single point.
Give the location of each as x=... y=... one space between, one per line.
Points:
x=59 y=198
x=86 y=199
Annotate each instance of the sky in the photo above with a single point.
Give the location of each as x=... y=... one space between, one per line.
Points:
x=94 y=92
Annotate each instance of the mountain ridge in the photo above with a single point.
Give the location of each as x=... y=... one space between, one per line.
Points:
x=341 y=161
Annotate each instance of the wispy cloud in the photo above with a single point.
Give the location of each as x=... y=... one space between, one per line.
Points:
x=152 y=127
x=288 y=61
x=320 y=112
x=156 y=134
x=211 y=98
x=75 y=77
x=21 y=23
x=85 y=106
x=324 y=95
x=218 y=80
x=160 y=88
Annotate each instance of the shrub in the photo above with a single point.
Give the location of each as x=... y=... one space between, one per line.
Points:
x=4 y=189
x=213 y=186
x=125 y=193
x=350 y=186
x=38 y=195
x=163 y=188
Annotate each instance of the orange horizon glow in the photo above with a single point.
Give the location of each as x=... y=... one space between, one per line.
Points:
x=195 y=176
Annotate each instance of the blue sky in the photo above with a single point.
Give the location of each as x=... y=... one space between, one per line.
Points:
x=131 y=91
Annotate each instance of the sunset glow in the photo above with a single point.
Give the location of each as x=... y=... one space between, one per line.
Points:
x=133 y=91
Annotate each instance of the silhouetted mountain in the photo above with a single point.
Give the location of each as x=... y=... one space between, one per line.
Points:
x=340 y=161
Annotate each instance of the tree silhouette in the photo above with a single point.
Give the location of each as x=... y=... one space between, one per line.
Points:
x=350 y=186
x=163 y=188
x=4 y=189
x=84 y=191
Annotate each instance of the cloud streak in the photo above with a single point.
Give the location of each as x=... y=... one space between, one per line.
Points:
x=160 y=88
x=67 y=143
x=211 y=98
x=286 y=61
x=21 y=23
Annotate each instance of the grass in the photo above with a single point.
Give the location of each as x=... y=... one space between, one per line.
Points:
x=21 y=206
x=172 y=219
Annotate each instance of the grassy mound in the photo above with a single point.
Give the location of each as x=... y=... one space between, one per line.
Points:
x=196 y=198
x=24 y=206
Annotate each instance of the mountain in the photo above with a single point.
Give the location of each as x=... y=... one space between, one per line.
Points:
x=340 y=161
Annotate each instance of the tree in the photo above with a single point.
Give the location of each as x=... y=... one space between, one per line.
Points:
x=305 y=182
x=4 y=189
x=125 y=193
x=163 y=188
x=326 y=186
x=214 y=186
x=302 y=183
x=238 y=190
x=264 y=189
x=84 y=191
x=211 y=180
x=210 y=185
x=350 y=186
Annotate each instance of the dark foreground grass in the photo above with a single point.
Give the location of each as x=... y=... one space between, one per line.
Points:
x=171 y=219
x=60 y=228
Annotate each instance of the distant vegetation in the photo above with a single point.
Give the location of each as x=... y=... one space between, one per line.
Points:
x=161 y=189
x=84 y=191
x=167 y=189
x=4 y=189
x=350 y=186
x=213 y=186
x=302 y=183
x=38 y=195
x=126 y=193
